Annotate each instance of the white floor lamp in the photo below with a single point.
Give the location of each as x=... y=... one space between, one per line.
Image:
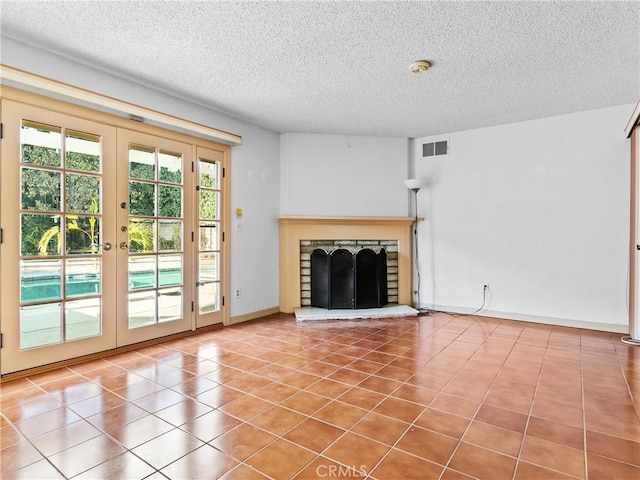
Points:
x=415 y=184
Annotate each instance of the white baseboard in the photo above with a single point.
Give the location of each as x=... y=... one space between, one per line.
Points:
x=561 y=322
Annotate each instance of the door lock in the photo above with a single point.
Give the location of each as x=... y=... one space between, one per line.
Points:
x=124 y=246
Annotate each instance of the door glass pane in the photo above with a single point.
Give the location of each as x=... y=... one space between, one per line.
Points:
x=82 y=193
x=208 y=205
x=83 y=234
x=41 y=144
x=209 y=238
x=208 y=174
x=169 y=304
x=41 y=189
x=142 y=199
x=40 y=325
x=142 y=309
x=170 y=167
x=142 y=235
x=82 y=276
x=169 y=270
x=40 y=235
x=170 y=235
x=142 y=272
x=83 y=151
x=82 y=318
x=170 y=202
x=40 y=280
x=208 y=297
x=142 y=162
x=208 y=267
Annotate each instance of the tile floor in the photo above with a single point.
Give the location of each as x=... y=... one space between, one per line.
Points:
x=430 y=397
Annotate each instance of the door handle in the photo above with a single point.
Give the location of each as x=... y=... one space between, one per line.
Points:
x=124 y=246
x=105 y=246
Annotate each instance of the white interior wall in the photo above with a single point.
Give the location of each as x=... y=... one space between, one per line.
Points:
x=343 y=175
x=254 y=165
x=539 y=210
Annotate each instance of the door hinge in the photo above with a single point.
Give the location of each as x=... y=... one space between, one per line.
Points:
x=223 y=300
x=1 y=130
x=1 y=340
x=1 y=237
x=193 y=306
x=193 y=236
x=224 y=172
x=193 y=167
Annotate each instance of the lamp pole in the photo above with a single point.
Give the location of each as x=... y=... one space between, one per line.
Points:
x=415 y=241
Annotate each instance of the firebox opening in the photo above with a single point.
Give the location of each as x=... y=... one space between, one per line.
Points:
x=348 y=274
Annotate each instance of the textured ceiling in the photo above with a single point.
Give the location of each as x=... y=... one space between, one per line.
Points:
x=343 y=67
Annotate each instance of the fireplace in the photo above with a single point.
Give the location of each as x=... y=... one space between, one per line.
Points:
x=370 y=267
x=300 y=233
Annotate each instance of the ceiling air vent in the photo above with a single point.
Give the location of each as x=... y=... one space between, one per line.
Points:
x=435 y=148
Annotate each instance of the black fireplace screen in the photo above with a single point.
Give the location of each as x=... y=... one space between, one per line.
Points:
x=342 y=280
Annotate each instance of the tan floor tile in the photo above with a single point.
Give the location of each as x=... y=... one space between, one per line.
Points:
x=86 y=455
x=314 y=435
x=210 y=425
x=481 y=463
x=528 y=471
x=340 y=414
x=243 y=441
x=353 y=449
x=277 y=420
x=427 y=444
x=65 y=437
x=305 y=402
x=166 y=448
x=140 y=431
x=324 y=468
x=205 y=462
x=561 y=433
x=246 y=407
x=281 y=459
x=398 y=464
x=614 y=447
x=399 y=409
x=601 y=468
x=494 y=438
x=36 y=471
x=553 y=456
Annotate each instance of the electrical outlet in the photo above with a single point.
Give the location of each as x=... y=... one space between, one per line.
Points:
x=237 y=293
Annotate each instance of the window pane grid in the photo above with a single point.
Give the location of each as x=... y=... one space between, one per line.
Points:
x=60 y=218
x=156 y=228
x=209 y=274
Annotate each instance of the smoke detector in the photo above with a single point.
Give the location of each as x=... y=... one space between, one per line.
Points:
x=419 y=66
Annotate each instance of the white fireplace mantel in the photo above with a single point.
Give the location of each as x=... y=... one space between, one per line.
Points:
x=295 y=229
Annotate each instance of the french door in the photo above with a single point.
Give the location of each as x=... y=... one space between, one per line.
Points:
x=154 y=206
x=109 y=237
x=58 y=236
x=209 y=260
